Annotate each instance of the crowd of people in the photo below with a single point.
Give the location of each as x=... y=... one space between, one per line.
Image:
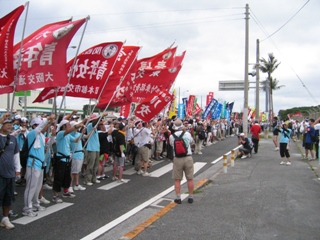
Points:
x=60 y=150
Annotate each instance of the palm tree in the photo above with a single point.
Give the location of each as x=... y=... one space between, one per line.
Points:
x=270 y=84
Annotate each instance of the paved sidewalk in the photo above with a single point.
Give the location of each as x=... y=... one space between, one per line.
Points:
x=255 y=199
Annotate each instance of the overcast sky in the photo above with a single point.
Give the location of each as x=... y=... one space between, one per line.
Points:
x=212 y=33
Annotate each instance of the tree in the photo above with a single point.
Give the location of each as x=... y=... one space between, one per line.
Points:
x=269 y=85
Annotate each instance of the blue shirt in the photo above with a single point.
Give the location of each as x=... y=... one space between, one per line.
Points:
x=7 y=169
x=310 y=131
x=63 y=143
x=93 y=144
x=76 y=147
x=38 y=156
x=285 y=135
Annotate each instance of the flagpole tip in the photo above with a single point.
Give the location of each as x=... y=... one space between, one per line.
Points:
x=88 y=17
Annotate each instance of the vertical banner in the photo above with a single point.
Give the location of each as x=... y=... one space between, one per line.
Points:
x=181 y=111
x=227 y=115
x=223 y=109
x=212 y=105
x=217 y=111
x=173 y=105
x=190 y=105
x=209 y=97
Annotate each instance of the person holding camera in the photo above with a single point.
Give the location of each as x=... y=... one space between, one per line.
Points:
x=284 y=144
x=246 y=148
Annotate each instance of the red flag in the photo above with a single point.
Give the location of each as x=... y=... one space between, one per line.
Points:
x=153 y=80
x=161 y=60
x=7 y=28
x=91 y=70
x=125 y=110
x=43 y=56
x=189 y=109
x=153 y=105
x=197 y=110
x=178 y=59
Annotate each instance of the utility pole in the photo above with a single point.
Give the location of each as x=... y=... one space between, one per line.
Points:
x=257 y=80
x=246 y=80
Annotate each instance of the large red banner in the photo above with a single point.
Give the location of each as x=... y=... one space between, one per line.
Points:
x=43 y=56
x=153 y=105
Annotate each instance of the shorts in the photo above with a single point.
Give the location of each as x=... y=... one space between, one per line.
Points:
x=6 y=191
x=76 y=166
x=159 y=146
x=120 y=161
x=143 y=154
x=308 y=146
x=275 y=137
x=182 y=165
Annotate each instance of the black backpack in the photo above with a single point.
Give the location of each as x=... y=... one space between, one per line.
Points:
x=180 y=147
x=24 y=153
x=202 y=134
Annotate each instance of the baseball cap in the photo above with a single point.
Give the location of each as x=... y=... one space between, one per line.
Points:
x=8 y=120
x=75 y=117
x=36 y=120
x=63 y=122
x=241 y=134
x=17 y=117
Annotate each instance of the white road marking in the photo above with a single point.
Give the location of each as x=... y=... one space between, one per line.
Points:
x=161 y=171
x=54 y=208
x=112 y=185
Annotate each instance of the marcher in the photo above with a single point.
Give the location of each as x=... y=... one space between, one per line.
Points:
x=255 y=135
x=183 y=164
x=310 y=132
x=62 y=166
x=35 y=165
x=284 y=144
x=9 y=168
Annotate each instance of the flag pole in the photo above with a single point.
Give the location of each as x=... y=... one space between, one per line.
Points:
x=19 y=58
x=72 y=67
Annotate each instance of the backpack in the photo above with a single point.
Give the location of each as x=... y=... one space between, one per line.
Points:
x=179 y=145
x=24 y=153
x=250 y=143
x=315 y=137
x=202 y=134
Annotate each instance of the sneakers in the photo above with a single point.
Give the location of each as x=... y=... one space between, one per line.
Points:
x=139 y=173
x=282 y=163
x=190 y=200
x=29 y=213
x=276 y=149
x=79 y=187
x=56 y=199
x=97 y=181
x=146 y=174
x=88 y=183
x=68 y=195
x=200 y=153
x=12 y=214
x=244 y=156
x=43 y=200
x=47 y=187
x=5 y=223
x=114 y=178
x=178 y=201
x=121 y=181
x=38 y=208
x=288 y=163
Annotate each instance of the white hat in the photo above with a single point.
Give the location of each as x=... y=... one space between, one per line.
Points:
x=35 y=120
x=73 y=123
x=63 y=122
x=177 y=124
x=17 y=117
x=241 y=134
x=24 y=119
x=75 y=117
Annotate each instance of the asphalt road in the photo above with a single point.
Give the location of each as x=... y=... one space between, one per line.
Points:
x=110 y=212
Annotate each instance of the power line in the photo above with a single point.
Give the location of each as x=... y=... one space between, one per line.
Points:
x=287 y=21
